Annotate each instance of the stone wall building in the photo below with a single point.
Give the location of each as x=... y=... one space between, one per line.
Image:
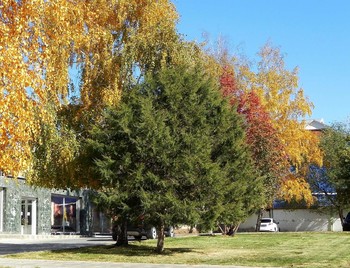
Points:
x=29 y=210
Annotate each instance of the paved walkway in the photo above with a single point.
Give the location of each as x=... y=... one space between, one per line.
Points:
x=18 y=245
x=75 y=264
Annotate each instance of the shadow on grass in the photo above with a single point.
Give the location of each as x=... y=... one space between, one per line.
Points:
x=130 y=250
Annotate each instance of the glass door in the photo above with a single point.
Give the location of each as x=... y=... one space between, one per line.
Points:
x=28 y=216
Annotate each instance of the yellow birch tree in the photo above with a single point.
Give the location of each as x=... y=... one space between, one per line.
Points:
x=41 y=40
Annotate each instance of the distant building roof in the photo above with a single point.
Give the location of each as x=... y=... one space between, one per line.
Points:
x=314 y=124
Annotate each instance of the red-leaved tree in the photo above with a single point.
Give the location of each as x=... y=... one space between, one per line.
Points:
x=268 y=151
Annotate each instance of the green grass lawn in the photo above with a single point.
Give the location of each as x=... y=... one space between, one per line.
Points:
x=246 y=249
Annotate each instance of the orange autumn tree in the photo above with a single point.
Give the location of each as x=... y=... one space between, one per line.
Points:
x=267 y=150
x=41 y=40
x=288 y=108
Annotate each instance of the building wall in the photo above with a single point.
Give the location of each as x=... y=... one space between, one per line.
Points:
x=83 y=208
x=102 y=224
x=298 y=220
x=14 y=191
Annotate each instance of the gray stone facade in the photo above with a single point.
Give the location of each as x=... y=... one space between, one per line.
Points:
x=25 y=209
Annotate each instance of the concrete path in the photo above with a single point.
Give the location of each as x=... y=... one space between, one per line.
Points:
x=75 y=264
x=18 y=245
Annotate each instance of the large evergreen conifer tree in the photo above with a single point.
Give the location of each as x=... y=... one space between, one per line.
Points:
x=174 y=151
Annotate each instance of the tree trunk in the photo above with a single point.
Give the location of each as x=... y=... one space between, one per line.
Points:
x=341 y=215
x=235 y=229
x=160 y=242
x=222 y=229
x=260 y=214
x=122 y=239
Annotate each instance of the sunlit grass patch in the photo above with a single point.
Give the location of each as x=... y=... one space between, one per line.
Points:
x=250 y=249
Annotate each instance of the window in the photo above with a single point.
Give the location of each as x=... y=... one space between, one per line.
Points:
x=64 y=214
x=266 y=220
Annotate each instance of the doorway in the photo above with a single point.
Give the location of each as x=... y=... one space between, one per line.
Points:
x=28 y=216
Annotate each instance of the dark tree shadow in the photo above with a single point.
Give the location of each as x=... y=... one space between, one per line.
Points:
x=130 y=250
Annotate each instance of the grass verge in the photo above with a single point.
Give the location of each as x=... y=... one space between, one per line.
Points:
x=246 y=249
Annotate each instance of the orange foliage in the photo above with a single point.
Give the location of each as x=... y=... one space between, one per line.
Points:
x=40 y=40
x=288 y=107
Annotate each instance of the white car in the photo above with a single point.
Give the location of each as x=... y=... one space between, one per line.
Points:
x=268 y=225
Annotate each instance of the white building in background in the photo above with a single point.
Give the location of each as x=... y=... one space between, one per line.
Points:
x=300 y=219
x=297 y=220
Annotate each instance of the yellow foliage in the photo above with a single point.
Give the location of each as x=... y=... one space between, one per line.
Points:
x=288 y=107
x=295 y=189
x=40 y=40
x=135 y=31
x=285 y=101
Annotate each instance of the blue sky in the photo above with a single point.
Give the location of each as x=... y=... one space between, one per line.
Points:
x=312 y=34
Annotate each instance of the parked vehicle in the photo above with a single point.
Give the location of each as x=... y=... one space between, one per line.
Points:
x=268 y=225
x=346 y=223
x=140 y=231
